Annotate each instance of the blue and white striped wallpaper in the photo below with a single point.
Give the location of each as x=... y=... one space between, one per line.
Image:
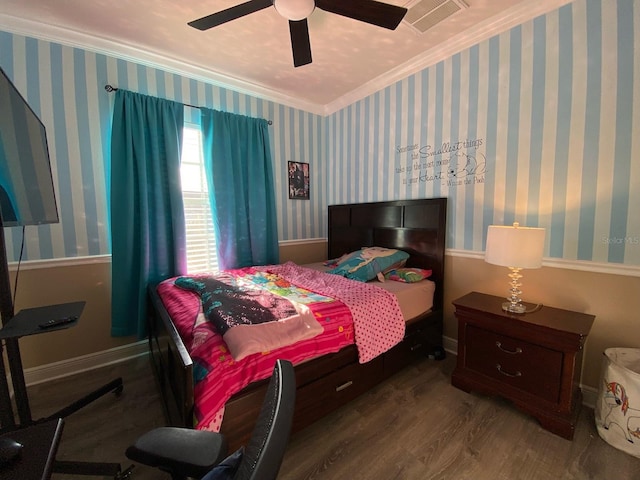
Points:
x=65 y=87
x=533 y=125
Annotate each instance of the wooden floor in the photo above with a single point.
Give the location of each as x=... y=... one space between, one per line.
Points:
x=414 y=426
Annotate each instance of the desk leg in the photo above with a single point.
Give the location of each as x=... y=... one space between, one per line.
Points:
x=13 y=350
x=17 y=378
x=6 y=409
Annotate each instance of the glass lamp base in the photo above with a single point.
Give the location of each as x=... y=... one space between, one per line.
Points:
x=514 y=307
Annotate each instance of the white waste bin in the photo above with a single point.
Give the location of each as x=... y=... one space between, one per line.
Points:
x=617 y=410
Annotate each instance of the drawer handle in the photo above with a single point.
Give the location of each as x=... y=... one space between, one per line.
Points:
x=344 y=386
x=415 y=347
x=512 y=352
x=513 y=375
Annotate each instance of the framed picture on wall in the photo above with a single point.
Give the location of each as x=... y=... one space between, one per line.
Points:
x=299 y=180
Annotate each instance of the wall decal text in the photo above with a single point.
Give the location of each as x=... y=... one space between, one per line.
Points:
x=452 y=164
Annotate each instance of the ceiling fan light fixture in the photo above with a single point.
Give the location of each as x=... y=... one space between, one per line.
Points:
x=294 y=9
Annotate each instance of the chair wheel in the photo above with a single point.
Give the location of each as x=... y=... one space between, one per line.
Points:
x=124 y=475
x=438 y=353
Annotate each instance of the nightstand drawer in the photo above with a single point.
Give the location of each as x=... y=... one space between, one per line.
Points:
x=514 y=362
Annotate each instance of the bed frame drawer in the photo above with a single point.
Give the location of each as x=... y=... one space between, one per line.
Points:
x=324 y=395
x=310 y=371
x=313 y=400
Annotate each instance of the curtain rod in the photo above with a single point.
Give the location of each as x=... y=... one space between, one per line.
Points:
x=110 y=89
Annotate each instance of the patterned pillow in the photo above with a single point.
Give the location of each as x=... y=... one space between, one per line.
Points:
x=364 y=265
x=407 y=275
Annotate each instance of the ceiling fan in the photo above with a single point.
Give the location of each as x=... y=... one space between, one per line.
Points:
x=297 y=11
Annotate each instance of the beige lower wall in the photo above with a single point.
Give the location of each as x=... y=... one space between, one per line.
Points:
x=302 y=253
x=48 y=285
x=613 y=299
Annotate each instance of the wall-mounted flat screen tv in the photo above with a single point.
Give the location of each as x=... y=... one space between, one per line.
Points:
x=27 y=196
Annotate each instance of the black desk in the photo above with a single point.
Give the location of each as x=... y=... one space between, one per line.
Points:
x=40 y=444
x=27 y=321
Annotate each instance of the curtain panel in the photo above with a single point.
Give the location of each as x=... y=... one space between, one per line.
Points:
x=239 y=168
x=146 y=207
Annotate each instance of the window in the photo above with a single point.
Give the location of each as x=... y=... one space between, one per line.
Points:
x=201 y=241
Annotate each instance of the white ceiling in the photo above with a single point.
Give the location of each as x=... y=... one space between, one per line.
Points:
x=252 y=54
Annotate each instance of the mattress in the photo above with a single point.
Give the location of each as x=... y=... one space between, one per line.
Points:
x=414 y=299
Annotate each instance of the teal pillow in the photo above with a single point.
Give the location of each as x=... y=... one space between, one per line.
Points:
x=365 y=264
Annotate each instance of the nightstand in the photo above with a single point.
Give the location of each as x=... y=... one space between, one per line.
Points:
x=532 y=359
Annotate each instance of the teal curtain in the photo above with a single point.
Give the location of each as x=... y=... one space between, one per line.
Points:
x=237 y=158
x=147 y=217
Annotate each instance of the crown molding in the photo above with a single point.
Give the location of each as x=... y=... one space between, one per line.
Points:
x=516 y=15
x=131 y=53
x=510 y=18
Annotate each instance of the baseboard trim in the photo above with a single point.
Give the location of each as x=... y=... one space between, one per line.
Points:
x=589 y=396
x=450 y=345
x=72 y=366
x=65 y=368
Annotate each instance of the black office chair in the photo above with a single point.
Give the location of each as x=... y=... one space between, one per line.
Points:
x=185 y=453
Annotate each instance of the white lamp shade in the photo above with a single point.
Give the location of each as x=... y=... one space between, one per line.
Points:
x=515 y=246
x=294 y=9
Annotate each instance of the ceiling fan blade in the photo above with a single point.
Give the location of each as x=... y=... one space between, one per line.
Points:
x=369 y=11
x=229 y=14
x=300 y=43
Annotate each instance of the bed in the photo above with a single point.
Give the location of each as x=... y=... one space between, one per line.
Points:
x=328 y=381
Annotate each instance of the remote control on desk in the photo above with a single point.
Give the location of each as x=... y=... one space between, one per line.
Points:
x=56 y=322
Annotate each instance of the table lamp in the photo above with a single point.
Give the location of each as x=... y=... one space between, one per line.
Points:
x=515 y=247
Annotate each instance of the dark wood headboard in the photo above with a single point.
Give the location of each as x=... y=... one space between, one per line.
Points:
x=416 y=226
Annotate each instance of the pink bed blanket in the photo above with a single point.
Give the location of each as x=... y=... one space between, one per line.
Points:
x=377 y=319
x=348 y=312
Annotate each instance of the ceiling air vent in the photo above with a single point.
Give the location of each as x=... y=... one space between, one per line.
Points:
x=424 y=14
